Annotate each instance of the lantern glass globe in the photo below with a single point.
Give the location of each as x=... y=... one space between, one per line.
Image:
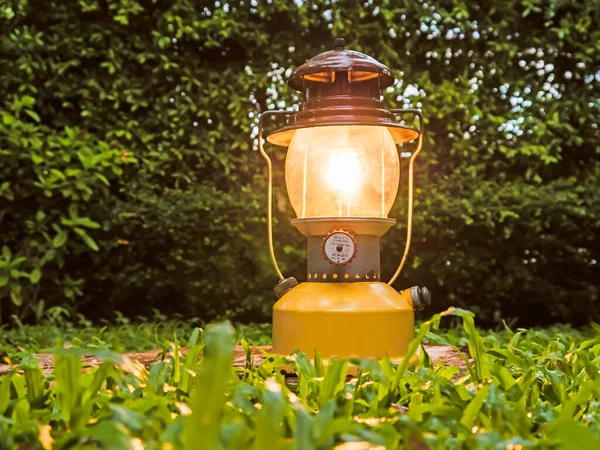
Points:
x=342 y=171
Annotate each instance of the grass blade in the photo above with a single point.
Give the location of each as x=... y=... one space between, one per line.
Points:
x=202 y=428
x=474 y=407
x=268 y=427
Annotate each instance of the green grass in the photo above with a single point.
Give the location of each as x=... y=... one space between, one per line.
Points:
x=120 y=335
x=526 y=389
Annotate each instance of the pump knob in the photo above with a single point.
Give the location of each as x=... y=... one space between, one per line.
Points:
x=284 y=286
x=421 y=297
x=426 y=296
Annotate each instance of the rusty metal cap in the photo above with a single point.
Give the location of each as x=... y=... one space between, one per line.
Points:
x=323 y=68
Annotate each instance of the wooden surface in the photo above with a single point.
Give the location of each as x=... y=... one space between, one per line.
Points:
x=437 y=353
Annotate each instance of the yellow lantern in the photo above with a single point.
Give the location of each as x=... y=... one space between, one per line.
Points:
x=342 y=171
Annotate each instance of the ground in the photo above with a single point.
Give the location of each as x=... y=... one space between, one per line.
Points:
x=525 y=389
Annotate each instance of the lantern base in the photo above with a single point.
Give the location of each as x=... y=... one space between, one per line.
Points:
x=364 y=320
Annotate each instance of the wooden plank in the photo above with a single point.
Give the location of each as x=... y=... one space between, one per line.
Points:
x=437 y=353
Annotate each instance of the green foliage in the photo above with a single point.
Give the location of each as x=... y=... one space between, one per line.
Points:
x=208 y=400
x=523 y=390
x=120 y=335
x=128 y=180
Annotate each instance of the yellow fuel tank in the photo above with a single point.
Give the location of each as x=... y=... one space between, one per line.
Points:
x=363 y=319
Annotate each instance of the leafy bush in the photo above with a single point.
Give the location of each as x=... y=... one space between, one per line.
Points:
x=128 y=180
x=535 y=390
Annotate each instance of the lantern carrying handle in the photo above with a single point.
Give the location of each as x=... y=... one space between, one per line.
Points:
x=269 y=186
x=411 y=164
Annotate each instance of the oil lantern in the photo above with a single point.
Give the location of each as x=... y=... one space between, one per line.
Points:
x=342 y=172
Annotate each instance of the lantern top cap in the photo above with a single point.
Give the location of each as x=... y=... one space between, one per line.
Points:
x=323 y=68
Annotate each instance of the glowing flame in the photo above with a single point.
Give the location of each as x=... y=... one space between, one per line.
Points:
x=342 y=173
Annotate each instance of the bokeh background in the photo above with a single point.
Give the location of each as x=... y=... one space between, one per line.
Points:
x=130 y=180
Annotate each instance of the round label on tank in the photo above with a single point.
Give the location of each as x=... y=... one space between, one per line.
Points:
x=339 y=247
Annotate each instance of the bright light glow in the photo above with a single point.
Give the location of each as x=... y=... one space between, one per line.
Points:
x=342 y=173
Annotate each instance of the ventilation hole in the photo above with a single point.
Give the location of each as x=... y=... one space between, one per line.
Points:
x=346 y=276
x=335 y=276
x=357 y=276
x=315 y=276
x=367 y=277
x=309 y=276
x=324 y=276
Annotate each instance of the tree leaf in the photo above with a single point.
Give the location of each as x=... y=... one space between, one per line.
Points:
x=122 y=19
x=35 y=275
x=27 y=100
x=33 y=115
x=87 y=239
x=60 y=239
x=87 y=222
x=16 y=298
